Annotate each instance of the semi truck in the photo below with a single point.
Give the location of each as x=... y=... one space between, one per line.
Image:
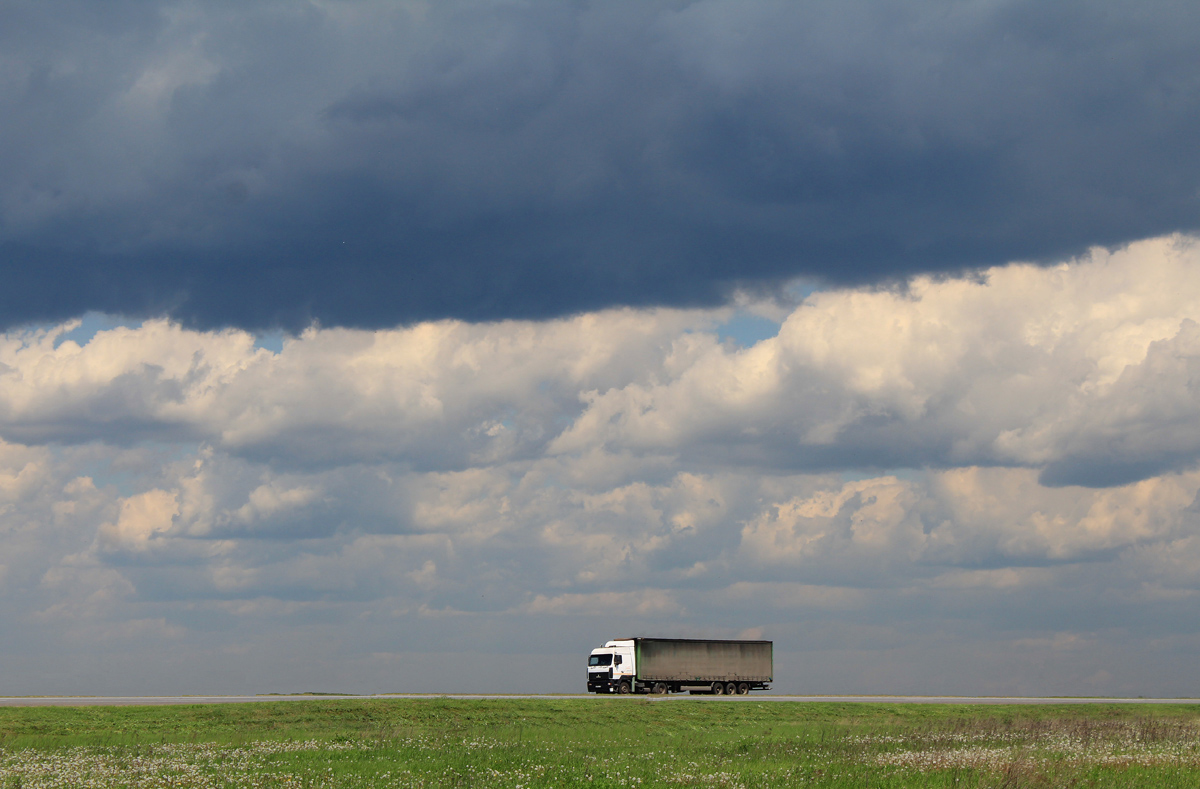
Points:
x=673 y=665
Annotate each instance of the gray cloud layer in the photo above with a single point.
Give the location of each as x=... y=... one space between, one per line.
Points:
x=370 y=163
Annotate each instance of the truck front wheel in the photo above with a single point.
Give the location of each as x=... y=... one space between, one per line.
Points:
x=623 y=688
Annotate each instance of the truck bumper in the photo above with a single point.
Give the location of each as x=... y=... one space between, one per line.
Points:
x=607 y=684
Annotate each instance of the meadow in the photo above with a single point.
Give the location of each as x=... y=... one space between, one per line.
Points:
x=599 y=742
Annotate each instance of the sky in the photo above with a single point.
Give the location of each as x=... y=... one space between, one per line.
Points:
x=395 y=346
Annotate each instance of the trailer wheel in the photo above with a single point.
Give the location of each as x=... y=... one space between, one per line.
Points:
x=743 y=689
x=660 y=688
x=718 y=689
x=623 y=688
x=731 y=689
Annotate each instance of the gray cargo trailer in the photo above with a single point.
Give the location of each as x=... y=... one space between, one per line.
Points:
x=661 y=665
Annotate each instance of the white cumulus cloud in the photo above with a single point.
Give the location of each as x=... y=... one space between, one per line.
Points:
x=1008 y=459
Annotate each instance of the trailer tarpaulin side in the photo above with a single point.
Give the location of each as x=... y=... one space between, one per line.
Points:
x=673 y=659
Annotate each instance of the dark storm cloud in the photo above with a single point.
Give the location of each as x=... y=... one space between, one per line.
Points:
x=368 y=164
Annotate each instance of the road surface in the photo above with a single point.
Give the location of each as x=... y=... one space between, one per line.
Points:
x=87 y=701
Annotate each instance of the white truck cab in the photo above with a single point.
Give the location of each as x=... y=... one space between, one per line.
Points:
x=611 y=668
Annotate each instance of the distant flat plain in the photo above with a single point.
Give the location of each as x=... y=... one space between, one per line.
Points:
x=74 y=701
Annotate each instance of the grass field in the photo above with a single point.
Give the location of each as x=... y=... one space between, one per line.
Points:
x=601 y=742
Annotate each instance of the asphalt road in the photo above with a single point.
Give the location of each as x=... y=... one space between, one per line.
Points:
x=88 y=701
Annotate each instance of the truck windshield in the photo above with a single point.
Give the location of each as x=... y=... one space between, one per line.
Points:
x=600 y=660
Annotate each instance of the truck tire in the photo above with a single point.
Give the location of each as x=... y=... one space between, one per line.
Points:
x=743 y=688
x=660 y=688
x=718 y=689
x=731 y=689
x=623 y=688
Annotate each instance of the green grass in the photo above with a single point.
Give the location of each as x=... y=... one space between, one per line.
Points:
x=600 y=742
